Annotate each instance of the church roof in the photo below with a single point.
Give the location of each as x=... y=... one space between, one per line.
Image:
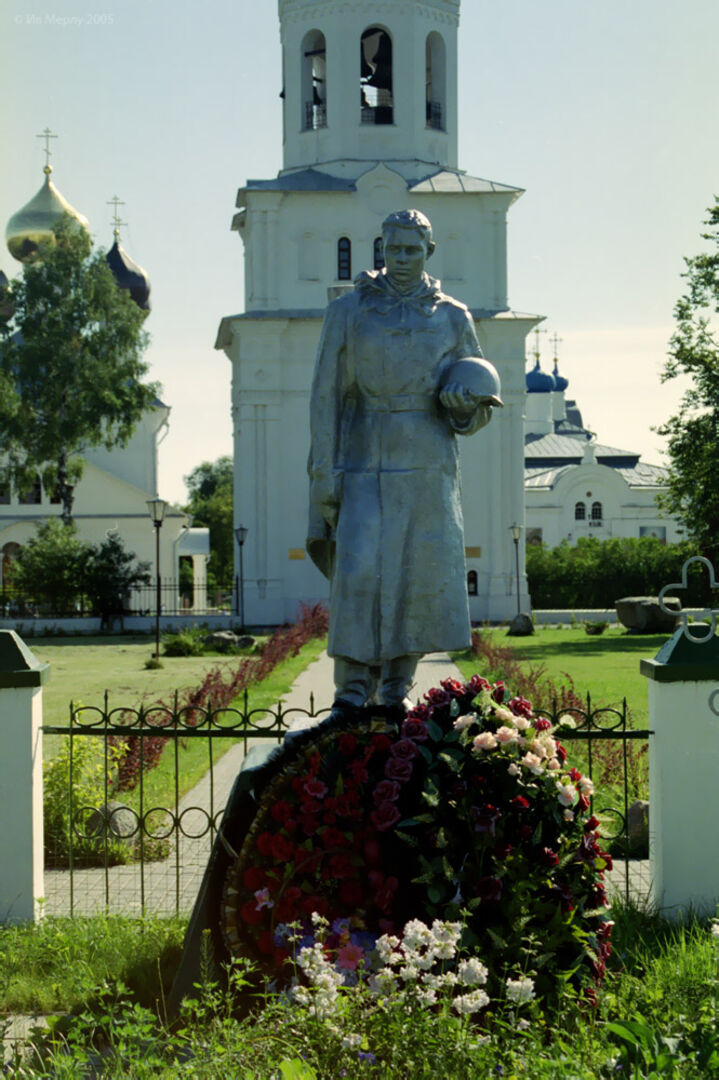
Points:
x=302 y=180
x=556 y=450
x=637 y=476
x=447 y=181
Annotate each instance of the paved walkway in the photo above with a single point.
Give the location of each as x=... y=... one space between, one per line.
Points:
x=170 y=885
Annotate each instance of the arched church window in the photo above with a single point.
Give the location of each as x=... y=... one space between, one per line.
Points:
x=378 y=251
x=32 y=495
x=344 y=259
x=436 y=82
x=580 y=511
x=376 y=99
x=596 y=511
x=472 y=583
x=314 y=81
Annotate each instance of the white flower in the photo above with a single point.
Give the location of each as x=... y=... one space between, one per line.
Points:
x=471 y=1002
x=566 y=794
x=521 y=723
x=585 y=785
x=416 y=935
x=352 y=1041
x=486 y=740
x=533 y=763
x=514 y=769
x=715 y=928
x=568 y=815
x=443 y=950
x=472 y=972
x=382 y=984
x=426 y=996
x=538 y=748
x=507 y=735
x=505 y=715
x=463 y=722
x=386 y=949
x=446 y=931
x=520 y=990
x=566 y=721
x=553 y=764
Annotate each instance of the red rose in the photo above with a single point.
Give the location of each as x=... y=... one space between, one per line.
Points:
x=398 y=769
x=583 y=802
x=591 y=823
x=421 y=712
x=548 y=857
x=351 y=893
x=264 y=844
x=415 y=729
x=404 y=749
x=314 y=903
x=380 y=742
x=561 y=753
x=359 y=773
x=520 y=707
x=488 y=889
x=340 y=866
x=347 y=744
x=281 y=811
x=385 y=815
x=315 y=789
x=520 y=802
x=574 y=774
x=309 y=824
x=498 y=692
x=386 y=791
x=306 y=861
x=435 y=696
x=332 y=838
x=344 y=804
x=250 y=914
x=282 y=849
x=384 y=889
x=475 y=684
x=254 y=878
x=454 y=688
x=541 y=724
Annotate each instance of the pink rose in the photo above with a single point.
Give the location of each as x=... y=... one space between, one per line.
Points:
x=386 y=791
x=398 y=769
x=404 y=749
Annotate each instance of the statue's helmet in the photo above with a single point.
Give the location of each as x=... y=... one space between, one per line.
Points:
x=476 y=375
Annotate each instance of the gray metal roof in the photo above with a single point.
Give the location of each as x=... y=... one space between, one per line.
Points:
x=640 y=476
x=553 y=449
x=302 y=180
x=448 y=182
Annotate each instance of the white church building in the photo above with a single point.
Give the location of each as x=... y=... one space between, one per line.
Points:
x=369 y=126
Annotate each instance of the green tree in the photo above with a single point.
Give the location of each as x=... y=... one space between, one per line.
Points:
x=210 y=503
x=72 y=363
x=110 y=575
x=693 y=432
x=50 y=568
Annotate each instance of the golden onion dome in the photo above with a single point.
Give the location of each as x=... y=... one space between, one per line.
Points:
x=34 y=222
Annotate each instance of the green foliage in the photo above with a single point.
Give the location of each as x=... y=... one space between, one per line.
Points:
x=186 y=642
x=74 y=363
x=594 y=573
x=50 y=568
x=210 y=503
x=82 y=781
x=693 y=432
x=111 y=574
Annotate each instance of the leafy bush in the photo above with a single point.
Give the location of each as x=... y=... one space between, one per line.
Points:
x=190 y=641
x=594 y=573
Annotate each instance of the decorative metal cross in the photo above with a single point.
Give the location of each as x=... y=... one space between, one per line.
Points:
x=47 y=135
x=115 y=202
x=555 y=340
x=713 y=613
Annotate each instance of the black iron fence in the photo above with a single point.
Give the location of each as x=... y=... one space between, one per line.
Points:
x=176 y=598
x=134 y=797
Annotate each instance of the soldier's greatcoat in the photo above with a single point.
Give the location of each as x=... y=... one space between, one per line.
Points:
x=385 y=514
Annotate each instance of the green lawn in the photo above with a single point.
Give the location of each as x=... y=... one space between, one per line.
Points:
x=606 y=666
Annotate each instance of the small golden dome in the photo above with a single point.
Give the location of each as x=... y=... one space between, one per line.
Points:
x=34 y=223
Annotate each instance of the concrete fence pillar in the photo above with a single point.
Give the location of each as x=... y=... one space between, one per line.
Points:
x=21 y=832
x=684 y=772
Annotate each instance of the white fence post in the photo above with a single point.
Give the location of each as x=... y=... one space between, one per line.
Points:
x=21 y=827
x=684 y=771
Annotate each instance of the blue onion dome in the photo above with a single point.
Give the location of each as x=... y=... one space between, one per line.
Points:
x=34 y=223
x=129 y=275
x=538 y=381
x=560 y=383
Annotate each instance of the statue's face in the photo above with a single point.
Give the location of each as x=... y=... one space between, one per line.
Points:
x=404 y=256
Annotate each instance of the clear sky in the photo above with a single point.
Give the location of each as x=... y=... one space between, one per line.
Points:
x=607 y=114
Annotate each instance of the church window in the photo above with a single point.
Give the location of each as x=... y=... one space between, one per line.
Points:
x=436 y=82
x=4 y=494
x=32 y=495
x=376 y=99
x=378 y=251
x=344 y=259
x=314 y=81
x=580 y=511
x=596 y=511
x=472 y=583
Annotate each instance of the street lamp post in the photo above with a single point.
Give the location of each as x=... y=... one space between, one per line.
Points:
x=157 y=508
x=240 y=536
x=516 y=531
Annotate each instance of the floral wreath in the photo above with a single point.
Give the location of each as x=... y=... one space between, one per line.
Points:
x=467 y=808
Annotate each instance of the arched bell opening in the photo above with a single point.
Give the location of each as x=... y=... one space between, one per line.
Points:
x=436 y=82
x=314 y=81
x=344 y=259
x=376 y=78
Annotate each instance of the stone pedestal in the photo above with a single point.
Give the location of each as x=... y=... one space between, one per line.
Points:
x=21 y=834
x=683 y=771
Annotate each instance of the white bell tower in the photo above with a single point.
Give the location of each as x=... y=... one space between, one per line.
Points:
x=369 y=81
x=369 y=126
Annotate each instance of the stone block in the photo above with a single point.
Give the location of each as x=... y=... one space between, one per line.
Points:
x=642 y=614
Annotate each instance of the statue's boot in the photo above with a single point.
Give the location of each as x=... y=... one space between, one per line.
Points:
x=355 y=684
x=396 y=680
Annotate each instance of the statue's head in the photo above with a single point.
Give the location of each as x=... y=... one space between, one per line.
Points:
x=407 y=242
x=411 y=219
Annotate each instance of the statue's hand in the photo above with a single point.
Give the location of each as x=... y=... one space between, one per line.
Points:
x=326 y=494
x=459 y=401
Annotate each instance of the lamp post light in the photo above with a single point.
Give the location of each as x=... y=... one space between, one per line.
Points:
x=156 y=508
x=240 y=536
x=516 y=531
